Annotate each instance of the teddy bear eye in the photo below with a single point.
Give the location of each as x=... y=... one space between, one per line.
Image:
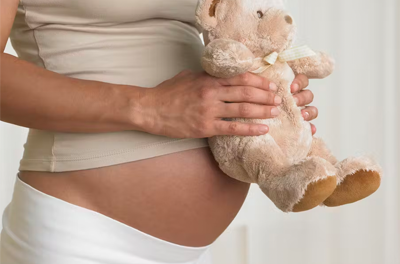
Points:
x=260 y=14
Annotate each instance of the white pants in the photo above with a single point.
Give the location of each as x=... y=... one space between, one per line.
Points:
x=41 y=229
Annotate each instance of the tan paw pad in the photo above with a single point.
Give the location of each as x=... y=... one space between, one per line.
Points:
x=315 y=194
x=354 y=188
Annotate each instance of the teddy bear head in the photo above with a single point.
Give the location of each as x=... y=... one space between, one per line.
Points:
x=262 y=25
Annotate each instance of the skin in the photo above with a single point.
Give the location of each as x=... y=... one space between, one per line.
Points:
x=189 y=187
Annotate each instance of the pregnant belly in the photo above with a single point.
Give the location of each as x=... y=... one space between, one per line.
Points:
x=183 y=198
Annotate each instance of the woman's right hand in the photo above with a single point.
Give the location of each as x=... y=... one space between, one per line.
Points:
x=192 y=105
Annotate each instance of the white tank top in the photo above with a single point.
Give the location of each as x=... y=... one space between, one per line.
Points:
x=130 y=42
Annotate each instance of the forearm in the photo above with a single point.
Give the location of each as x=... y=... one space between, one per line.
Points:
x=37 y=98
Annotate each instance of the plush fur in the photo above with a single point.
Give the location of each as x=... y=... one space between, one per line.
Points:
x=293 y=168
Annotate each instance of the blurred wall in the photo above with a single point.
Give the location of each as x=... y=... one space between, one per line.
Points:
x=359 y=113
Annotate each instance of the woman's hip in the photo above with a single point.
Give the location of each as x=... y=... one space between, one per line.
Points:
x=41 y=229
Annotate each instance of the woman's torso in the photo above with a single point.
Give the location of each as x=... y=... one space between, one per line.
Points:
x=182 y=197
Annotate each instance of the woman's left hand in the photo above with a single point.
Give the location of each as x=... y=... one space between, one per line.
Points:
x=303 y=98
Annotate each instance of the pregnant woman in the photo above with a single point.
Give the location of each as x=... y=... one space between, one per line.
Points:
x=116 y=167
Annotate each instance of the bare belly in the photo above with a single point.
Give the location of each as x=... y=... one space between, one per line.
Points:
x=183 y=198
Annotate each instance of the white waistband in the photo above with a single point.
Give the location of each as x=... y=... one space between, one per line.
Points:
x=39 y=228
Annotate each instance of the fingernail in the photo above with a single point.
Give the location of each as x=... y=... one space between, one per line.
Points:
x=306 y=115
x=296 y=100
x=275 y=111
x=273 y=87
x=263 y=129
x=295 y=87
x=277 y=100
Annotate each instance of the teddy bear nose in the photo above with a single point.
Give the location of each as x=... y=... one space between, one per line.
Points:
x=289 y=19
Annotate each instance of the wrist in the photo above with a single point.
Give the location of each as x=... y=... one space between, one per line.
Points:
x=134 y=108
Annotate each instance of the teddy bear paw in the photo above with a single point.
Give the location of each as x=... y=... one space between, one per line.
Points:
x=358 y=178
x=315 y=193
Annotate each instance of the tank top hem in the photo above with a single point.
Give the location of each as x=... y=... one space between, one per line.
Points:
x=97 y=160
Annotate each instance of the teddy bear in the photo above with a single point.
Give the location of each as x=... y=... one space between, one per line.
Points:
x=294 y=169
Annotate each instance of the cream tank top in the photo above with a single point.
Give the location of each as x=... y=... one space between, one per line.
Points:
x=129 y=42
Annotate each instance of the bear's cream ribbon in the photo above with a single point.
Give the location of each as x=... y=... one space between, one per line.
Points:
x=287 y=55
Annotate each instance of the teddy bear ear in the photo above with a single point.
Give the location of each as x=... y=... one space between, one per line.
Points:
x=206 y=13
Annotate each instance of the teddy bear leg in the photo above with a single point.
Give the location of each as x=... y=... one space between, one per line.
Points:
x=358 y=178
x=320 y=177
x=319 y=149
x=317 y=190
x=292 y=188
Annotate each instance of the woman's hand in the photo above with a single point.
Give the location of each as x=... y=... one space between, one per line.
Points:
x=191 y=105
x=303 y=98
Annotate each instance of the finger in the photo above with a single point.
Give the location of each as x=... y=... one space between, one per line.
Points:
x=248 y=94
x=300 y=82
x=245 y=110
x=304 y=98
x=239 y=129
x=310 y=113
x=313 y=129
x=249 y=79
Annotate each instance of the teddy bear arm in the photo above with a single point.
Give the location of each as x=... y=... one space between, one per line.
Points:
x=315 y=67
x=225 y=58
